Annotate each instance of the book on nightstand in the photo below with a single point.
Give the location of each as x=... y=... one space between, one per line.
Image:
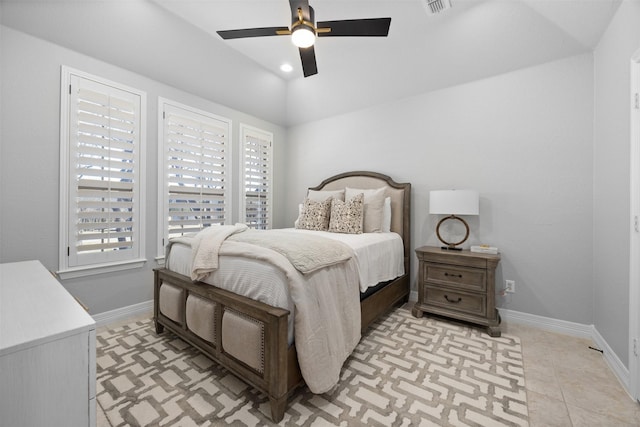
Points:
x=485 y=249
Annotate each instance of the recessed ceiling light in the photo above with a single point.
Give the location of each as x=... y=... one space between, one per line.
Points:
x=287 y=68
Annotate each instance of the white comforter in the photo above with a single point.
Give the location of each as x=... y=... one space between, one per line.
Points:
x=327 y=308
x=380 y=256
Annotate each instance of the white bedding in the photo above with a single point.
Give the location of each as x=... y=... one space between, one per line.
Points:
x=379 y=257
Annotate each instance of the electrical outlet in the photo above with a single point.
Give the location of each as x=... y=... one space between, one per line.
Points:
x=510 y=286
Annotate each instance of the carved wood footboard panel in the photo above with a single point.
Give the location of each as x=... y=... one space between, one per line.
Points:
x=279 y=373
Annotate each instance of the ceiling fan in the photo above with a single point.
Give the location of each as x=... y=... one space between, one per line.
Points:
x=304 y=31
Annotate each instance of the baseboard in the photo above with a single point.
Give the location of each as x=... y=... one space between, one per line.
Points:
x=123 y=313
x=576 y=330
x=547 y=323
x=613 y=361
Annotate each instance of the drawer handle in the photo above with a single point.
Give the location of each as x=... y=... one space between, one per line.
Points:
x=453 y=301
x=453 y=275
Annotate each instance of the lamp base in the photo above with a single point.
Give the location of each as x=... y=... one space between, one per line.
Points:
x=452 y=246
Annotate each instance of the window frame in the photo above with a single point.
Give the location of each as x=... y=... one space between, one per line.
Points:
x=246 y=131
x=163 y=208
x=67 y=268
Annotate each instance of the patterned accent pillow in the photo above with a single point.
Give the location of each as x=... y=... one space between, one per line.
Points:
x=347 y=217
x=315 y=215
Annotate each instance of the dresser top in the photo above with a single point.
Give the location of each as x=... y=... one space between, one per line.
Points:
x=35 y=308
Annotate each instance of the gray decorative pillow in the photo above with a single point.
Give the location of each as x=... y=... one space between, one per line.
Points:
x=347 y=217
x=315 y=215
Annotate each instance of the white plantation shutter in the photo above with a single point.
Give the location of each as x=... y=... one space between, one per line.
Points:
x=103 y=149
x=196 y=170
x=257 y=176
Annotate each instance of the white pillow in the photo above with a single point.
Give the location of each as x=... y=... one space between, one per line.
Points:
x=322 y=195
x=386 y=215
x=300 y=208
x=373 y=204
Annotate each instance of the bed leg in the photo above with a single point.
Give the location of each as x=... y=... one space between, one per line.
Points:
x=278 y=406
x=159 y=327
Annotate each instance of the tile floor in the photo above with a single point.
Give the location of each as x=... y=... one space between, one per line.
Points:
x=567 y=383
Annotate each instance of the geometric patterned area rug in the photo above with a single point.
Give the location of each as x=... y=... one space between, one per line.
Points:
x=404 y=372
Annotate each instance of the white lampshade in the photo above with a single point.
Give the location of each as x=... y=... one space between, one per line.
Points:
x=454 y=202
x=303 y=36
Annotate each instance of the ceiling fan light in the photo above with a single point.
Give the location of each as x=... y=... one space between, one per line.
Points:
x=303 y=36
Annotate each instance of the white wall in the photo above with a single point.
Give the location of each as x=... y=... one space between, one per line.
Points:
x=522 y=139
x=612 y=177
x=29 y=183
x=143 y=37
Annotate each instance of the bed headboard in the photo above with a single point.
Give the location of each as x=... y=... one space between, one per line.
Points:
x=400 y=194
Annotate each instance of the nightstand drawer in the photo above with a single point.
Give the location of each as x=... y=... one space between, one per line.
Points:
x=458 y=277
x=475 y=304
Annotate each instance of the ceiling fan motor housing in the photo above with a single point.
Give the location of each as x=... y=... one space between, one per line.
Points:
x=299 y=16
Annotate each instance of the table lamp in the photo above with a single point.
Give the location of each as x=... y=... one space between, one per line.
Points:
x=453 y=203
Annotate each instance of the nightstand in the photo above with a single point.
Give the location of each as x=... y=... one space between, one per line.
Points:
x=459 y=285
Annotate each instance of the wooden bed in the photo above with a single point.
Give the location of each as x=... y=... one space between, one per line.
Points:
x=277 y=373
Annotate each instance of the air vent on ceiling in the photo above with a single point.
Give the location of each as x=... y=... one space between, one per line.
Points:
x=434 y=7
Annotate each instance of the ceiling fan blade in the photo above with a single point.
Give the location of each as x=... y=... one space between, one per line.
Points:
x=374 y=27
x=308 y=58
x=253 y=32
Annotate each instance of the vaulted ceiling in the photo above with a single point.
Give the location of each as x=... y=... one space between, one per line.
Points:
x=474 y=39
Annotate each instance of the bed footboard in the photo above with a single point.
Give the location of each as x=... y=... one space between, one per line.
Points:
x=247 y=337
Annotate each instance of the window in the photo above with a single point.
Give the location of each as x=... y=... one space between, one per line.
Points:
x=194 y=168
x=102 y=147
x=257 y=168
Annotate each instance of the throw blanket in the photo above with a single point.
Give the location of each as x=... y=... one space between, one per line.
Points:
x=327 y=305
x=327 y=313
x=206 y=246
x=306 y=252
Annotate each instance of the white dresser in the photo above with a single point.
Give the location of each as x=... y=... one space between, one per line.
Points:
x=47 y=351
